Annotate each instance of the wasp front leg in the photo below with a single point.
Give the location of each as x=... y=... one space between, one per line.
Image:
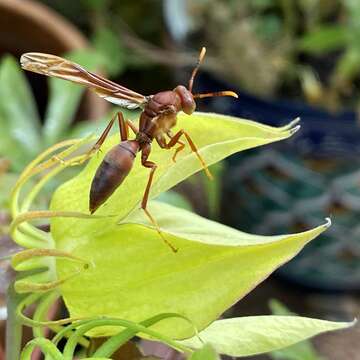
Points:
x=175 y=139
x=162 y=143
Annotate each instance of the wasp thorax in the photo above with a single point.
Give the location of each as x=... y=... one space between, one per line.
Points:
x=187 y=100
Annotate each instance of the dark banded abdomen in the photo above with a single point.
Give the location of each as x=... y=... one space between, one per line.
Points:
x=111 y=173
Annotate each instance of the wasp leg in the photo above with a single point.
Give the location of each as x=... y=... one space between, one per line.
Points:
x=152 y=166
x=132 y=126
x=162 y=143
x=124 y=126
x=124 y=133
x=102 y=137
x=174 y=139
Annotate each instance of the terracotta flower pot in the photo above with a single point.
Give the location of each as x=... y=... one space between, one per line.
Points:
x=30 y=26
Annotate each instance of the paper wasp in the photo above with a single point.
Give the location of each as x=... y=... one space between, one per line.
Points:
x=158 y=117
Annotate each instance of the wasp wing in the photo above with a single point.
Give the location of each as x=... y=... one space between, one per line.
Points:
x=51 y=65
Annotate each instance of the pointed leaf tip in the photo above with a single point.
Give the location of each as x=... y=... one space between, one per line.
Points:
x=252 y=335
x=295 y=129
x=328 y=222
x=291 y=124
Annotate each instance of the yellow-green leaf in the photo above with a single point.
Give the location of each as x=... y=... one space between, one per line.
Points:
x=217 y=136
x=135 y=275
x=205 y=353
x=253 y=335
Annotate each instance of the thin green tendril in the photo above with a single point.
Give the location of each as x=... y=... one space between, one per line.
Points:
x=82 y=329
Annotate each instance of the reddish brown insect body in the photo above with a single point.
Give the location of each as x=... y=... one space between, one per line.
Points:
x=119 y=160
x=156 y=121
x=111 y=173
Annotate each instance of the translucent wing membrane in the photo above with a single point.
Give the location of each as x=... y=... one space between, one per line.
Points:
x=51 y=65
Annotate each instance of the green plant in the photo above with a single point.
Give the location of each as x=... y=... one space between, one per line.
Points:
x=23 y=134
x=116 y=276
x=308 y=44
x=341 y=36
x=289 y=44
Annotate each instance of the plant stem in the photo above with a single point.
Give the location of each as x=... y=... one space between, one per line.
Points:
x=13 y=325
x=115 y=342
x=73 y=340
x=46 y=346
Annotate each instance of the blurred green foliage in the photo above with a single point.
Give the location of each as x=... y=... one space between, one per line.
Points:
x=23 y=133
x=307 y=44
x=311 y=44
x=108 y=45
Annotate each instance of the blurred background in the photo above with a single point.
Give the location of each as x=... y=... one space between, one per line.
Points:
x=284 y=58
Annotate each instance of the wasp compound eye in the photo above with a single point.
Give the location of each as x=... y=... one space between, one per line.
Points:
x=188 y=104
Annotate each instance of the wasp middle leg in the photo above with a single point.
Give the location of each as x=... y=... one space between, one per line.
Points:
x=150 y=164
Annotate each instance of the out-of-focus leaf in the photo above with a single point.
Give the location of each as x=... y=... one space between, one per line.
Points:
x=96 y=5
x=64 y=98
x=213 y=189
x=312 y=86
x=300 y=351
x=324 y=39
x=108 y=45
x=207 y=352
x=348 y=65
x=353 y=8
x=63 y=102
x=254 y=335
x=268 y=26
x=261 y=4
x=10 y=149
x=84 y=128
x=7 y=182
x=277 y=308
x=20 y=124
x=173 y=198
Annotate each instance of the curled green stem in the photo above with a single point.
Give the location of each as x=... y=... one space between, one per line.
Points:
x=26 y=234
x=137 y=328
x=116 y=341
x=31 y=299
x=42 y=310
x=29 y=172
x=41 y=313
x=47 y=214
x=25 y=255
x=46 y=346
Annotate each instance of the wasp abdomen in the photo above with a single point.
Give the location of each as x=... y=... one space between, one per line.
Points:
x=111 y=173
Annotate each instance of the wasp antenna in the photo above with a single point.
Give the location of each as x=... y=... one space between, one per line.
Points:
x=217 y=93
x=200 y=59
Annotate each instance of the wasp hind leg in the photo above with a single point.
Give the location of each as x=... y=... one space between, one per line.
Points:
x=124 y=126
x=152 y=166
